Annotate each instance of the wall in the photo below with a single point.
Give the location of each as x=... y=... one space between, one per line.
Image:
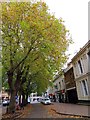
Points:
x=82 y=77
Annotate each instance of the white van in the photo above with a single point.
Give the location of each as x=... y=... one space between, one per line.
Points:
x=36 y=99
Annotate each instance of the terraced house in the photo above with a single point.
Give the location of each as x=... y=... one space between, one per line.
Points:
x=81 y=66
x=71 y=92
x=57 y=91
x=59 y=87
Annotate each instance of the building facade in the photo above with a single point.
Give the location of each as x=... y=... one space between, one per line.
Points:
x=59 y=85
x=57 y=91
x=81 y=65
x=34 y=98
x=5 y=94
x=71 y=93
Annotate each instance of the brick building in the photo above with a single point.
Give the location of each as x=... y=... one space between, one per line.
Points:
x=71 y=93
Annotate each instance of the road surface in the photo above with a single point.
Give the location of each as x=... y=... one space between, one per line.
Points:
x=38 y=111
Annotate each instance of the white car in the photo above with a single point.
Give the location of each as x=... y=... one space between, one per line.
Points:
x=46 y=101
x=5 y=102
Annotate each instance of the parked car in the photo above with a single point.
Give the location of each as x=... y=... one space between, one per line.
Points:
x=5 y=102
x=46 y=101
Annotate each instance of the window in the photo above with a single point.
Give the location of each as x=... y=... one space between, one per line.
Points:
x=75 y=69
x=84 y=87
x=88 y=53
x=88 y=60
x=56 y=87
x=60 y=85
x=80 y=66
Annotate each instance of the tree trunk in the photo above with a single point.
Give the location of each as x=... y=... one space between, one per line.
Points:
x=12 y=102
x=20 y=99
x=12 y=92
x=27 y=98
x=23 y=99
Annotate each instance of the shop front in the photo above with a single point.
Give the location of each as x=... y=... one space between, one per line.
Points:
x=60 y=96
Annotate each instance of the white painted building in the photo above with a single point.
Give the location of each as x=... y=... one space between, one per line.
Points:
x=58 y=88
x=81 y=66
x=50 y=90
x=34 y=98
x=59 y=84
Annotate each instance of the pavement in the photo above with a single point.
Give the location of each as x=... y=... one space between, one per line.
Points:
x=72 y=109
x=4 y=109
x=61 y=108
x=0 y=112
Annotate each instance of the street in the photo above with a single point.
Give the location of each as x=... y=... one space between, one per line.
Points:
x=47 y=111
x=55 y=110
x=38 y=111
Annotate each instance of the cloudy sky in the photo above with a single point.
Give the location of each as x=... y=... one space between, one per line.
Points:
x=75 y=15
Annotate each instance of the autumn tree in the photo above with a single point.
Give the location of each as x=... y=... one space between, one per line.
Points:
x=30 y=34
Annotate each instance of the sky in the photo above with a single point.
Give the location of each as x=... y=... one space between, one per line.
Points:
x=75 y=15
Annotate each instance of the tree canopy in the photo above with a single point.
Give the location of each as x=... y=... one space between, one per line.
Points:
x=32 y=38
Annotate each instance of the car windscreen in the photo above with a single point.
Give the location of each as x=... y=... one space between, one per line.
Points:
x=47 y=99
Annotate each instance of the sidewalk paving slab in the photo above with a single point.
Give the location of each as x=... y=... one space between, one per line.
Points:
x=72 y=109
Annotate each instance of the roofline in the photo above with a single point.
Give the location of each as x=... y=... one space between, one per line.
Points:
x=58 y=76
x=81 y=50
x=70 y=66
